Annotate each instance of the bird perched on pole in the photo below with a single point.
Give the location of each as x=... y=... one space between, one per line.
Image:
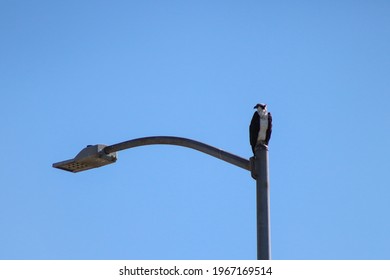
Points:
x=260 y=128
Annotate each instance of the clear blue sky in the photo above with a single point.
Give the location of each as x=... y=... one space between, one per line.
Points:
x=74 y=73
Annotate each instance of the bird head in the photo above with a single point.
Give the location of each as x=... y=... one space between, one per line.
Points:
x=261 y=109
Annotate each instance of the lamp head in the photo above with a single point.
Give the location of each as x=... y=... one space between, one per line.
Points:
x=92 y=156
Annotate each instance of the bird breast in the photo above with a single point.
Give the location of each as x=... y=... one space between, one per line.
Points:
x=263 y=128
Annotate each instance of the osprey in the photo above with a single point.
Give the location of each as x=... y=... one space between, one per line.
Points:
x=261 y=126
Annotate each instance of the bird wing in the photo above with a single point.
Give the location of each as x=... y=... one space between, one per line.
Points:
x=254 y=129
x=269 y=130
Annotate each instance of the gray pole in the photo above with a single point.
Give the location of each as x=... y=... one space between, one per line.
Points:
x=262 y=203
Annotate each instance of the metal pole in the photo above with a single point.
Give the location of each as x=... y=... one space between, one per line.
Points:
x=262 y=203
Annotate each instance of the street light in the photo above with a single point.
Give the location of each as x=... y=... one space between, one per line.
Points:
x=90 y=157
x=94 y=156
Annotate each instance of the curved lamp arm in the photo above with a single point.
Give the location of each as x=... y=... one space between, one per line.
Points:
x=184 y=142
